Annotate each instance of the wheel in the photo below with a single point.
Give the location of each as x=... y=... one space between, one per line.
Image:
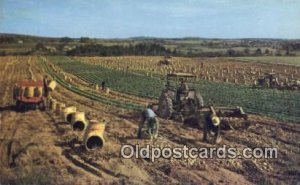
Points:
x=42 y=105
x=165 y=108
x=19 y=106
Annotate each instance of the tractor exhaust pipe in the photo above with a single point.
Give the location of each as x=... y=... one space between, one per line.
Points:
x=78 y=121
x=93 y=137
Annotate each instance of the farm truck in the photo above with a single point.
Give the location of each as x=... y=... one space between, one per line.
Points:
x=31 y=93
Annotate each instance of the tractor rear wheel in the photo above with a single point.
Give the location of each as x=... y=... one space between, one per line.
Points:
x=165 y=108
x=19 y=106
x=42 y=105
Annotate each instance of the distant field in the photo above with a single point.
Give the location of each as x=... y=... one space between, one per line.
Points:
x=283 y=105
x=292 y=60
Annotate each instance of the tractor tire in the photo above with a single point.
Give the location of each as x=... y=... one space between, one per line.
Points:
x=19 y=106
x=42 y=105
x=165 y=108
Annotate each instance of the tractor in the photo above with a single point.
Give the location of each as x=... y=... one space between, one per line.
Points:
x=175 y=105
x=189 y=107
x=293 y=85
x=32 y=94
x=165 y=61
x=269 y=80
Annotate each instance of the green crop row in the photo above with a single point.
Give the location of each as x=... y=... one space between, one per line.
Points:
x=282 y=105
x=77 y=90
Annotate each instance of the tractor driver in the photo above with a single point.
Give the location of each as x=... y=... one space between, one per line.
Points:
x=182 y=89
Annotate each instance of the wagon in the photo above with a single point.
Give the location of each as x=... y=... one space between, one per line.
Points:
x=29 y=93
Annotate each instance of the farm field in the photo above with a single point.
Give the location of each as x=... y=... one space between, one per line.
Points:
x=39 y=146
x=293 y=60
x=283 y=105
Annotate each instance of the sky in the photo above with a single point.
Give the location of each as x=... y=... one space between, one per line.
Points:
x=152 y=18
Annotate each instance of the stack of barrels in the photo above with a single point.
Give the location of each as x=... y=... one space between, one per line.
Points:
x=93 y=130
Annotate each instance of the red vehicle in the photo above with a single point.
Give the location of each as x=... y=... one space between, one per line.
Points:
x=29 y=93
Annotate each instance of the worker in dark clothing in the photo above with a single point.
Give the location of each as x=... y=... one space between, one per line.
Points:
x=46 y=89
x=212 y=128
x=103 y=85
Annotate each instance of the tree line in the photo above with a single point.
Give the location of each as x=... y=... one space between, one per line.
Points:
x=119 y=50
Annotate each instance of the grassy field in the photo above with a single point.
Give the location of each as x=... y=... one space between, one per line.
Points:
x=282 y=105
x=292 y=60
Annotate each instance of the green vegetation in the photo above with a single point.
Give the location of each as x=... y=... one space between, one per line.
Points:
x=90 y=95
x=282 y=105
x=123 y=81
x=290 y=60
x=138 y=49
x=11 y=44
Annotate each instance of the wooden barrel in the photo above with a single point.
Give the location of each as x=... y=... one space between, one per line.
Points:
x=78 y=121
x=38 y=91
x=93 y=137
x=107 y=91
x=53 y=103
x=29 y=92
x=52 y=85
x=59 y=108
x=17 y=91
x=66 y=113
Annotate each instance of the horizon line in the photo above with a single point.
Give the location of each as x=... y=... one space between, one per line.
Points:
x=148 y=37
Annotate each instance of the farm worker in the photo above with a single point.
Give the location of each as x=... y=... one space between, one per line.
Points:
x=103 y=85
x=149 y=117
x=46 y=90
x=212 y=127
x=182 y=89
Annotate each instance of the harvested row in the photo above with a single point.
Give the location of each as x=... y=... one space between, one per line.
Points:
x=220 y=70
